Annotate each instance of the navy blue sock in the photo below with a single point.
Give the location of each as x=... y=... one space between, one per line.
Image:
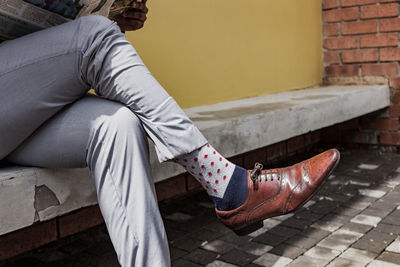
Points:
x=236 y=192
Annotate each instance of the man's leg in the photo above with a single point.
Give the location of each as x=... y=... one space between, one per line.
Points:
x=109 y=138
x=44 y=71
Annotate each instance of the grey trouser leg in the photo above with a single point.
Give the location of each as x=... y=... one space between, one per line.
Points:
x=110 y=139
x=42 y=72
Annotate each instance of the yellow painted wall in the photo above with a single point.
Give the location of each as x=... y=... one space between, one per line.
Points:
x=209 y=51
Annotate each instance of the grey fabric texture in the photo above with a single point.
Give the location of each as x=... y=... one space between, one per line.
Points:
x=47 y=119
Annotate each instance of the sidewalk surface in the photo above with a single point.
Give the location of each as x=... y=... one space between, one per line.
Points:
x=354 y=220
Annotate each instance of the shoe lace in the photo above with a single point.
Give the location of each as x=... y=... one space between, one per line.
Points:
x=255 y=173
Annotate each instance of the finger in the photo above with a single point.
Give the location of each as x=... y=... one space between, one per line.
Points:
x=140 y=6
x=132 y=24
x=135 y=15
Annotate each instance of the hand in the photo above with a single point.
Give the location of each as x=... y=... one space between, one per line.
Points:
x=133 y=18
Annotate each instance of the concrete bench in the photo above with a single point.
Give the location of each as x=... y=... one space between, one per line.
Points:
x=28 y=195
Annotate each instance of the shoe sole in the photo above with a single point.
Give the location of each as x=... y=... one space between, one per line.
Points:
x=257 y=225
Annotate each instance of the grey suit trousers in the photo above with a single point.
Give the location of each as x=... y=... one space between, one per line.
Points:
x=47 y=119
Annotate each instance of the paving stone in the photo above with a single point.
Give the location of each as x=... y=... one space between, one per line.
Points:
x=362 y=256
x=238 y=257
x=358 y=204
x=322 y=253
x=384 y=204
x=270 y=239
x=394 y=246
x=179 y=217
x=346 y=211
x=324 y=207
x=176 y=253
x=308 y=215
x=236 y=240
x=300 y=224
x=388 y=229
x=366 y=219
x=187 y=244
x=288 y=251
x=205 y=235
x=388 y=256
x=372 y=193
x=218 y=246
x=340 y=262
x=301 y=242
x=379 y=263
x=269 y=259
x=374 y=241
x=284 y=231
x=184 y=263
x=356 y=227
x=218 y=263
x=315 y=233
x=340 y=240
x=381 y=213
x=369 y=167
x=255 y=248
x=393 y=218
x=201 y=256
x=307 y=261
x=270 y=223
x=331 y=222
x=217 y=227
x=283 y=217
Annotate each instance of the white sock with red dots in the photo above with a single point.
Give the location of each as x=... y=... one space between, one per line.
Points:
x=225 y=182
x=209 y=168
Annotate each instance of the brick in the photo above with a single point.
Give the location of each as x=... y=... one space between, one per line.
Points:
x=380 y=69
x=367 y=26
x=336 y=15
x=295 y=144
x=379 y=11
x=259 y=155
x=276 y=151
x=394 y=111
x=327 y=4
x=342 y=71
x=389 y=25
x=331 y=29
x=390 y=54
x=79 y=220
x=389 y=138
x=363 y=55
x=346 y=3
x=171 y=187
x=341 y=42
x=396 y=97
x=386 y=1
x=381 y=124
x=354 y=137
x=379 y=40
x=26 y=239
x=331 y=57
x=395 y=82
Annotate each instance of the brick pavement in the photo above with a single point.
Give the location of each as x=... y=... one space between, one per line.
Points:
x=354 y=220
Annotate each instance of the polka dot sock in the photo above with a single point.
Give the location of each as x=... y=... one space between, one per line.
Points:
x=224 y=182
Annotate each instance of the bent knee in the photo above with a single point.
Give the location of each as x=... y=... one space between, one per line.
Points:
x=122 y=122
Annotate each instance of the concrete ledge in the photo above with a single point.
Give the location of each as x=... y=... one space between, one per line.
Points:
x=28 y=195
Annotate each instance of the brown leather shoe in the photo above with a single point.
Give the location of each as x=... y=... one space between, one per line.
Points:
x=276 y=192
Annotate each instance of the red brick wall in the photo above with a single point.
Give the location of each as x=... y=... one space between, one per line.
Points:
x=361 y=46
x=360 y=38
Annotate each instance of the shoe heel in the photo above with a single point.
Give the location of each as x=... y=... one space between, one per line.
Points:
x=249 y=229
